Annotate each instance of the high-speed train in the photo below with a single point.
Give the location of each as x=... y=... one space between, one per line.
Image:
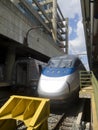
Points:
x=59 y=80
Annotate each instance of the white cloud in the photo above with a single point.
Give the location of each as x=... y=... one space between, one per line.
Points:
x=79 y=42
x=70 y=8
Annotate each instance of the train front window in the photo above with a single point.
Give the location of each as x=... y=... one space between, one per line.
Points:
x=66 y=63
x=53 y=63
x=61 y=63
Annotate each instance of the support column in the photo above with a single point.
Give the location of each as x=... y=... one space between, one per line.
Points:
x=9 y=63
x=66 y=26
x=54 y=22
x=91 y=29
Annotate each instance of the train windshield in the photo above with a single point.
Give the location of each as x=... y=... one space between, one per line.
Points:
x=53 y=63
x=65 y=63
x=62 y=63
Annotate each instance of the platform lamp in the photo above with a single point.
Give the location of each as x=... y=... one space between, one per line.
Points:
x=25 y=41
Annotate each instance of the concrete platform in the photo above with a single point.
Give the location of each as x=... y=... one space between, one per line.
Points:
x=86 y=92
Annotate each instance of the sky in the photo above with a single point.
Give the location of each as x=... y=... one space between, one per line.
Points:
x=72 y=10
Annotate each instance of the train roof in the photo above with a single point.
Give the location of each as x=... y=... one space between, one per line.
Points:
x=70 y=57
x=72 y=60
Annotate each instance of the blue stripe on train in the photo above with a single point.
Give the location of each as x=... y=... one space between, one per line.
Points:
x=57 y=72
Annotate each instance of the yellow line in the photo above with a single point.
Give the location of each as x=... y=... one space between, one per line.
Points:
x=94 y=114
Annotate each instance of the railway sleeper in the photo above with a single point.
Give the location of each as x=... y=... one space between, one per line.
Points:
x=67 y=124
x=65 y=128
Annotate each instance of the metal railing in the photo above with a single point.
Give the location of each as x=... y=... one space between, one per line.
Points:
x=87 y=79
x=95 y=87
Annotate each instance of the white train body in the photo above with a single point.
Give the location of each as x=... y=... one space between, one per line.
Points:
x=60 y=79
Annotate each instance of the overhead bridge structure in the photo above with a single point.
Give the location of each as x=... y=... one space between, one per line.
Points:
x=35 y=29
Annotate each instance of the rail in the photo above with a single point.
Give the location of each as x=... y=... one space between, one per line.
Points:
x=67 y=119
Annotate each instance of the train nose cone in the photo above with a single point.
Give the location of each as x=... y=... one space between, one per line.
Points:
x=52 y=87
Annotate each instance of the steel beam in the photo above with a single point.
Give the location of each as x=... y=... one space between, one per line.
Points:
x=41 y=9
x=30 y=8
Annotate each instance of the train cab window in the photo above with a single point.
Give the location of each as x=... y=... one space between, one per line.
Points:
x=66 y=63
x=53 y=63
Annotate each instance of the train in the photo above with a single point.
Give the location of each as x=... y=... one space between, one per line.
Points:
x=59 y=80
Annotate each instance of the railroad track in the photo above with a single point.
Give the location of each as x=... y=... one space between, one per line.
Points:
x=61 y=122
x=54 y=120
x=70 y=120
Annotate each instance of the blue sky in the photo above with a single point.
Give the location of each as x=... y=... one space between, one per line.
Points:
x=73 y=23
x=72 y=10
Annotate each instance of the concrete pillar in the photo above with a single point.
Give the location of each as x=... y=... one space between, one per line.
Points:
x=54 y=22
x=9 y=63
x=91 y=29
x=66 y=26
